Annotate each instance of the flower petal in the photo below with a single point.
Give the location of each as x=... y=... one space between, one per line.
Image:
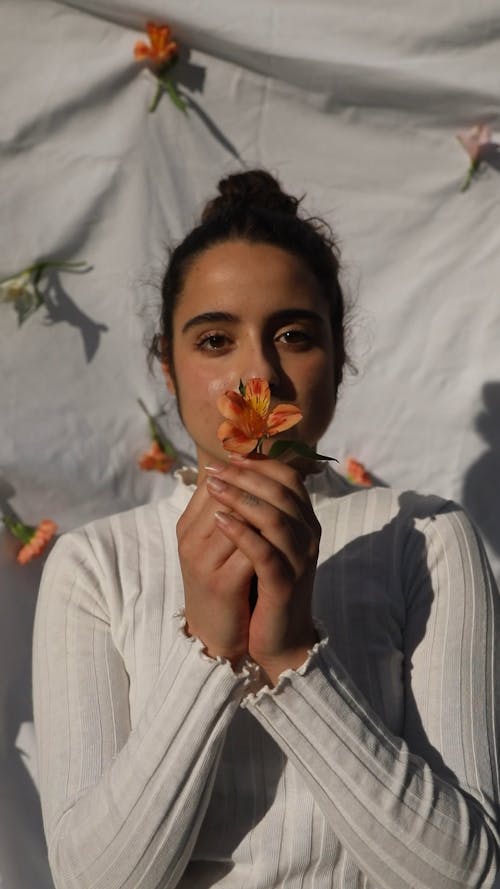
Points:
x=234 y=440
x=232 y=406
x=284 y=416
x=156 y=459
x=236 y=409
x=142 y=51
x=41 y=538
x=474 y=138
x=357 y=473
x=258 y=395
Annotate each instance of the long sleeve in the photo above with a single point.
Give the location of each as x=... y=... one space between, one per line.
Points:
x=122 y=803
x=418 y=809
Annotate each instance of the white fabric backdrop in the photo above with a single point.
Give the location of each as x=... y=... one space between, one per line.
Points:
x=356 y=105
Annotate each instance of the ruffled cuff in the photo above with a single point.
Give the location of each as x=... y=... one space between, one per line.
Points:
x=248 y=672
x=313 y=655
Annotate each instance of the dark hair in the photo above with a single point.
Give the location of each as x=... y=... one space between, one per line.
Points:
x=251 y=206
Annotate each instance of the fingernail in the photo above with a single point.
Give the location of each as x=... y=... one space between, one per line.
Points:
x=216 y=484
x=223 y=518
x=215 y=468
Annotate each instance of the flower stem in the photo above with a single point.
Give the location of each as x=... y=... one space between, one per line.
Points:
x=23 y=532
x=54 y=264
x=156 y=433
x=469 y=176
x=156 y=98
x=174 y=95
x=166 y=85
x=39 y=268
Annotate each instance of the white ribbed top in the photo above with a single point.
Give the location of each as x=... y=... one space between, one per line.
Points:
x=374 y=765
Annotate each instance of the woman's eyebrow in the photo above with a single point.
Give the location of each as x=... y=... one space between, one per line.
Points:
x=283 y=316
x=296 y=315
x=209 y=318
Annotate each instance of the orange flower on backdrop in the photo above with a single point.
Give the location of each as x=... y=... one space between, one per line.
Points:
x=249 y=419
x=161 y=47
x=162 y=53
x=156 y=459
x=34 y=539
x=474 y=141
x=162 y=455
x=357 y=473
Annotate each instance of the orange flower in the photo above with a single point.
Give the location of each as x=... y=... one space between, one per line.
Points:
x=161 y=48
x=357 y=473
x=248 y=418
x=34 y=540
x=162 y=454
x=156 y=459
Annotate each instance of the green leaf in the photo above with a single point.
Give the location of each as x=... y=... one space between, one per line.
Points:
x=279 y=447
x=242 y=388
x=25 y=305
x=163 y=441
x=174 y=95
x=157 y=96
x=23 y=532
x=157 y=433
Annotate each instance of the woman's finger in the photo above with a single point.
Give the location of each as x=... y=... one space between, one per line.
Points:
x=197 y=527
x=272 y=567
x=282 y=489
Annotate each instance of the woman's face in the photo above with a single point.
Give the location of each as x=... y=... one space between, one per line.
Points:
x=251 y=310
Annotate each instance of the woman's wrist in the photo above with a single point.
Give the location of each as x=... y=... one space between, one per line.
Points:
x=291 y=659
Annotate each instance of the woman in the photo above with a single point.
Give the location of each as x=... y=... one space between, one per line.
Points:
x=341 y=733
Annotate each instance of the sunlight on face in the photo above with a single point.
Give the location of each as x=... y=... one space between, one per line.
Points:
x=251 y=310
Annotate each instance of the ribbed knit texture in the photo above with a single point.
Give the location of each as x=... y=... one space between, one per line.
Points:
x=373 y=765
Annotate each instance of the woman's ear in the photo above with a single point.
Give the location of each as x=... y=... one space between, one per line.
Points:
x=165 y=365
x=169 y=378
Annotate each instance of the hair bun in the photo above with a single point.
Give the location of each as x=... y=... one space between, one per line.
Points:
x=255 y=188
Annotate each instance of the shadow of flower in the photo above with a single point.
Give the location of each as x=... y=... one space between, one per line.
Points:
x=480 y=488
x=192 y=77
x=60 y=307
x=490 y=154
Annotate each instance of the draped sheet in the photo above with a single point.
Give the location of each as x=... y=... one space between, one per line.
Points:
x=355 y=106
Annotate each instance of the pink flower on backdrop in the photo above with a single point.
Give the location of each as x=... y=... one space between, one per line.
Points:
x=474 y=140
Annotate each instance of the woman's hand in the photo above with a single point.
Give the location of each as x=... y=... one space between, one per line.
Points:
x=217 y=576
x=272 y=523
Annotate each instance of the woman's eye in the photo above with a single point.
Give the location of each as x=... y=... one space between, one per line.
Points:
x=212 y=342
x=294 y=337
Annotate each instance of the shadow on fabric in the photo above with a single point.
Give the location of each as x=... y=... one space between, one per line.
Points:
x=60 y=307
x=373 y=639
x=23 y=851
x=480 y=494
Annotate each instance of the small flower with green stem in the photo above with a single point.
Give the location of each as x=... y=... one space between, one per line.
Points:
x=161 y=455
x=358 y=474
x=34 y=538
x=249 y=421
x=162 y=54
x=22 y=290
x=474 y=140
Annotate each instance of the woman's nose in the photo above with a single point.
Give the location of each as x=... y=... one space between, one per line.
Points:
x=264 y=363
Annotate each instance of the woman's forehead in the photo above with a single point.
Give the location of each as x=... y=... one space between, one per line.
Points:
x=239 y=270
